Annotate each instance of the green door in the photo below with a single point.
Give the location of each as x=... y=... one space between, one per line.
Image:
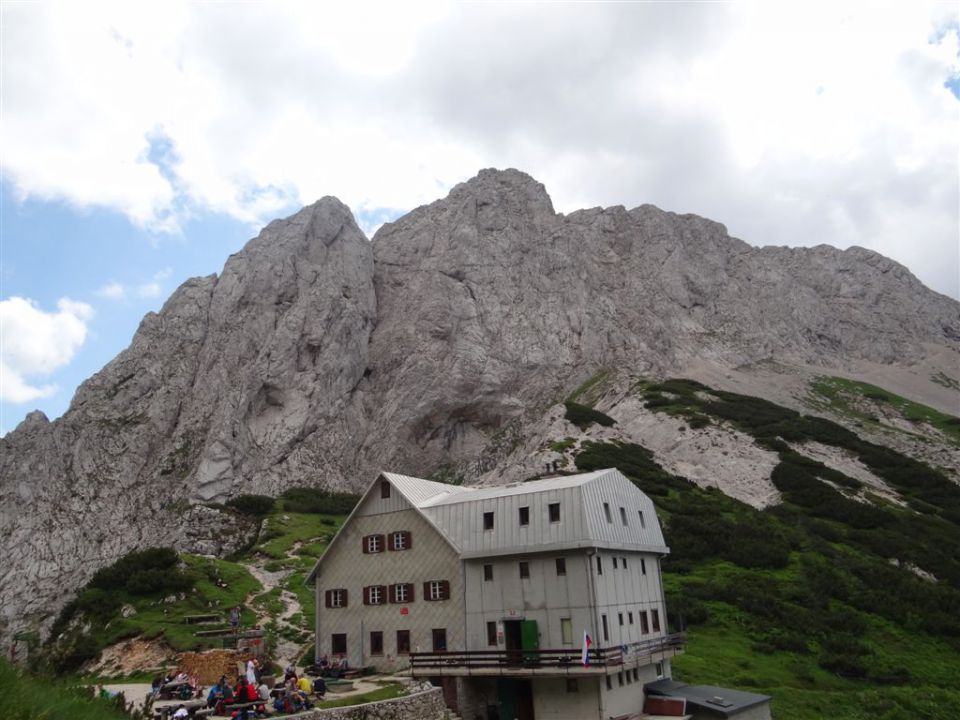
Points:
x=530 y=642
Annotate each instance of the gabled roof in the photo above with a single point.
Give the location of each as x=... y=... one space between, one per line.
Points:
x=418 y=491
x=449 y=510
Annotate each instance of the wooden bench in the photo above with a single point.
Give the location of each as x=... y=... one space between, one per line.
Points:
x=193 y=619
x=162 y=713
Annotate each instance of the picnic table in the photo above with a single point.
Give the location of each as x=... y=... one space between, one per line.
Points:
x=176 y=691
x=167 y=711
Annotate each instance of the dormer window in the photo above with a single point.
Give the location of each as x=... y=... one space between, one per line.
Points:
x=384 y=489
x=606 y=512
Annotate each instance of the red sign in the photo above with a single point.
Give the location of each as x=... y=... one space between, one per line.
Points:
x=404 y=611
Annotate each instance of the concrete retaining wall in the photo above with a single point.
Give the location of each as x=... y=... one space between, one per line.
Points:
x=423 y=705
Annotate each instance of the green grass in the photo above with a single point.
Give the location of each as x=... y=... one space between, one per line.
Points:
x=284 y=530
x=28 y=697
x=841 y=394
x=388 y=692
x=589 y=391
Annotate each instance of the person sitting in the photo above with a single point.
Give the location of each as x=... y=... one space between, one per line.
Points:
x=319 y=688
x=156 y=685
x=304 y=685
x=290 y=672
x=181 y=713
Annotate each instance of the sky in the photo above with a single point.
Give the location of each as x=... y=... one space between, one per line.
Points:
x=142 y=143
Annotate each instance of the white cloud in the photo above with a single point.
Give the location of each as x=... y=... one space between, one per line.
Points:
x=154 y=287
x=793 y=124
x=111 y=291
x=34 y=343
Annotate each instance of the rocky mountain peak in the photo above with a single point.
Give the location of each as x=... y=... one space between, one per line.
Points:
x=317 y=357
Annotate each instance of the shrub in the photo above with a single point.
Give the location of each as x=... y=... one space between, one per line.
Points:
x=583 y=416
x=319 y=501
x=254 y=505
x=115 y=577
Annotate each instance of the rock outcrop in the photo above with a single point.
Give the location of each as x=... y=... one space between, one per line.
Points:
x=318 y=357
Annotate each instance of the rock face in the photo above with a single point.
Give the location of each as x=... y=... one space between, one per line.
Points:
x=318 y=358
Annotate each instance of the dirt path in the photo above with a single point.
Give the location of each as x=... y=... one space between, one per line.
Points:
x=286 y=652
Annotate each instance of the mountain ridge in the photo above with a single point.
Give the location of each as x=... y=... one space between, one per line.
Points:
x=317 y=355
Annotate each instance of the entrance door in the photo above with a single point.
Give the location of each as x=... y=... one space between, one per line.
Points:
x=514 y=699
x=440 y=640
x=530 y=642
x=513 y=636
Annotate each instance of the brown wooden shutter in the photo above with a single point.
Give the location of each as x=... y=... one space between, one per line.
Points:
x=391 y=594
x=444 y=590
x=344 y=596
x=366 y=595
x=383 y=542
x=383 y=594
x=390 y=545
x=365 y=544
x=410 y=593
x=426 y=590
x=326 y=598
x=408 y=536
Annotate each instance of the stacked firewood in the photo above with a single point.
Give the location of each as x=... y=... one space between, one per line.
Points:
x=210 y=665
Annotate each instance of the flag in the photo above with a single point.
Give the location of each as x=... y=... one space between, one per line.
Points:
x=585 y=652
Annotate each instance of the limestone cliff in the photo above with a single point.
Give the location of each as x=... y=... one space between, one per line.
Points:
x=318 y=358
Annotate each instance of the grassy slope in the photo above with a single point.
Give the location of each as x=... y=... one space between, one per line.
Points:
x=794 y=602
x=28 y=698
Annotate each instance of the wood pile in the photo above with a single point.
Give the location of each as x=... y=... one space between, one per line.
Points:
x=210 y=665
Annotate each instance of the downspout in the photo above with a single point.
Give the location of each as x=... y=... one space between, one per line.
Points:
x=593 y=621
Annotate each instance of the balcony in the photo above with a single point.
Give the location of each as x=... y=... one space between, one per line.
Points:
x=547 y=663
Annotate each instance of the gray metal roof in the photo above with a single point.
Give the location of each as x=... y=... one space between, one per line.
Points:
x=722 y=701
x=457 y=513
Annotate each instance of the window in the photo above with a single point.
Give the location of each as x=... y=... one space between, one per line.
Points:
x=524 y=569
x=403 y=642
x=599 y=565
x=572 y=686
x=338 y=644
x=439 y=639
x=553 y=510
x=566 y=631
x=399 y=540
x=620 y=678
x=620 y=618
x=376 y=643
x=630 y=618
x=488 y=521
x=644 y=627
x=374 y=595
x=436 y=590
x=643 y=566
x=525 y=515
x=372 y=543
x=609 y=682
x=623 y=515
x=606 y=630
x=492 y=633
x=659 y=670
x=623 y=561
x=655 y=620
x=384 y=489
x=642 y=523
x=636 y=674
x=488 y=572
x=336 y=598
x=561 y=566
x=614 y=562
x=401 y=593
x=606 y=512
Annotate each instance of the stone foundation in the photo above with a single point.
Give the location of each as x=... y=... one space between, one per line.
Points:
x=423 y=705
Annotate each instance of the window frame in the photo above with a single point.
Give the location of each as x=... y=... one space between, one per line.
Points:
x=488 y=572
x=488 y=520
x=523 y=515
x=384 y=489
x=607 y=514
x=623 y=516
x=524 y=568
x=566 y=631
x=492 y=633
x=561 y=566
x=376 y=634
x=553 y=512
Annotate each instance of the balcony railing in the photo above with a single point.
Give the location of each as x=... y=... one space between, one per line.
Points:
x=566 y=660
